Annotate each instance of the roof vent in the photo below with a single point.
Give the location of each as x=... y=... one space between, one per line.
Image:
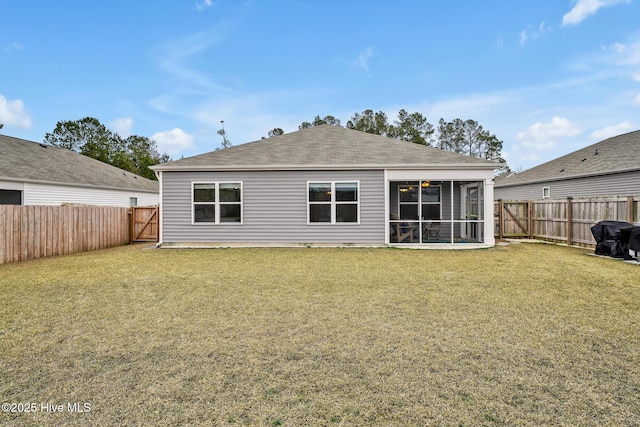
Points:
x=43 y=146
x=596 y=152
x=583 y=159
x=562 y=170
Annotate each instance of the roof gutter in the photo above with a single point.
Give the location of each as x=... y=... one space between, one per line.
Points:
x=73 y=184
x=223 y=168
x=562 y=178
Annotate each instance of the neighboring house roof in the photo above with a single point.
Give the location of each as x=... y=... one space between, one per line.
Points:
x=613 y=155
x=27 y=161
x=327 y=147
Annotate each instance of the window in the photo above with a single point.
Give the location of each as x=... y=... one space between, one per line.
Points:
x=217 y=202
x=133 y=201
x=419 y=200
x=546 y=192
x=10 y=197
x=333 y=202
x=408 y=199
x=430 y=196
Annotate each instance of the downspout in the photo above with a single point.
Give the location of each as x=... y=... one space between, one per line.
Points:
x=387 y=237
x=160 y=209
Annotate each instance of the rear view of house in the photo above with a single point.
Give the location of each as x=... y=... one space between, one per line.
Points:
x=327 y=185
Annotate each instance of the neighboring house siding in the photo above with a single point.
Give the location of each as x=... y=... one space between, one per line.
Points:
x=40 y=194
x=274 y=209
x=604 y=185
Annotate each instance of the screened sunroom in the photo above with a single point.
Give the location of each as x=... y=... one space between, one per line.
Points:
x=436 y=211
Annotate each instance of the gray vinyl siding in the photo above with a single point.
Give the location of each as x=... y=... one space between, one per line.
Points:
x=274 y=209
x=621 y=184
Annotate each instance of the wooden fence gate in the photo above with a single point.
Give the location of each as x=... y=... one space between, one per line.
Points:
x=144 y=224
x=562 y=220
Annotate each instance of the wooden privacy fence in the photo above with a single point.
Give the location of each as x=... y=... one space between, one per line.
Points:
x=28 y=232
x=562 y=220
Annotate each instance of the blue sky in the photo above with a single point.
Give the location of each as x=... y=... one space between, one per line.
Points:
x=547 y=77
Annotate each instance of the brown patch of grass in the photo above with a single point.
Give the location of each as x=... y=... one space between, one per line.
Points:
x=516 y=335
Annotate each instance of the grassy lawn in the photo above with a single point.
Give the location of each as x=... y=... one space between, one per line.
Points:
x=527 y=334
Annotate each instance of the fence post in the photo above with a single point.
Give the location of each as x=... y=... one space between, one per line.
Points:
x=131 y=221
x=530 y=219
x=569 y=221
x=500 y=230
x=630 y=217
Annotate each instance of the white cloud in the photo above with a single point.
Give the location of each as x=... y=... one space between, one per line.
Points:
x=623 y=54
x=609 y=131
x=523 y=37
x=473 y=106
x=584 y=8
x=532 y=34
x=12 y=113
x=175 y=56
x=122 y=126
x=543 y=135
x=363 y=59
x=204 y=4
x=173 y=141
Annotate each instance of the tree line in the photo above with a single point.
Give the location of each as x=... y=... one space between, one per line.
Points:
x=458 y=136
x=91 y=138
x=135 y=153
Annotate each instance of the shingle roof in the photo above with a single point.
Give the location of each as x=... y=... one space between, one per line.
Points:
x=613 y=155
x=27 y=161
x=327 y=147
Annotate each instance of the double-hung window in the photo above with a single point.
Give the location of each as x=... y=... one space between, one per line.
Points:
x=333 y=202
x=217 y=202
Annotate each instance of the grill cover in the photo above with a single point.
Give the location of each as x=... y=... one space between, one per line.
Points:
x=612 y=238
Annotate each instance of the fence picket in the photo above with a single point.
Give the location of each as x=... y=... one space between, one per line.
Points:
x=28 y=232
x=565 y=220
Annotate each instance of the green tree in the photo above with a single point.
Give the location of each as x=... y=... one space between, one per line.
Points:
x=468 y=137
x=317 y=121
x=412 y=127
x=450 y=137
x=91 y=138
x=370 y=122
x=86 y=136
x=275 y=132
x=142 y=153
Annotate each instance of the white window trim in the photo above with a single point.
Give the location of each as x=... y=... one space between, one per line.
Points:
x=333 y=202
x=546 y=192
x=217 y=203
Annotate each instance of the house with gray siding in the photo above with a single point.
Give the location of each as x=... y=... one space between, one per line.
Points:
x=608 y=168
x=38 y=174
x=327 y=186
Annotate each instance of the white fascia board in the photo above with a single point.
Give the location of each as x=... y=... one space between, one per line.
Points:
x=74 y=184
x=221 y=168
x=436 y=174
